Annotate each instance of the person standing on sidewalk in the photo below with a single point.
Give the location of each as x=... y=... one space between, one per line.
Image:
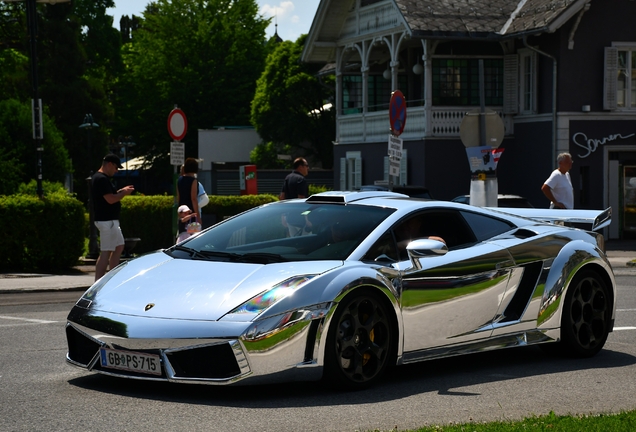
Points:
x=295 y=184
x=558 y=187
x=188 y=191
x=107 y=206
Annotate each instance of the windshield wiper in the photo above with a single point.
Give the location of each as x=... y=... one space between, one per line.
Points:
x=217 y=254
x=193 y=252
x=262 y=258
x=256 y=257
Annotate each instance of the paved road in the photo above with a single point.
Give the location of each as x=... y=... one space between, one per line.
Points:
x=39 y=391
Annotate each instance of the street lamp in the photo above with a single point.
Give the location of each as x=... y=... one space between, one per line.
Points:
x=36 y=103
x=93 y=249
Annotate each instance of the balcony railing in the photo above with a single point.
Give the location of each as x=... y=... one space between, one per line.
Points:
x=374 y=126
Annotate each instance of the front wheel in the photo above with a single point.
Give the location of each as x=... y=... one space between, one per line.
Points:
x=361 y=342
x=587 y=315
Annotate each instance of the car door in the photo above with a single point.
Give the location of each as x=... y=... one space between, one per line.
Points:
x=453 y=298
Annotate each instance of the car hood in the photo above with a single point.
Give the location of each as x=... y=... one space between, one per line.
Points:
x=159 y=286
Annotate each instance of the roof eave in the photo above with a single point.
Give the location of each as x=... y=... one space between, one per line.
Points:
x=455 y=35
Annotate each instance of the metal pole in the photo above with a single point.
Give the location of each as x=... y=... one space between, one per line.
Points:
x=482 y=104
x=35 y=103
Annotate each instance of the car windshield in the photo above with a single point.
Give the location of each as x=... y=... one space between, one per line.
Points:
x=286 y=232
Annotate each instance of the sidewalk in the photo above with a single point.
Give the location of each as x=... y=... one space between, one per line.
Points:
x=80 y=278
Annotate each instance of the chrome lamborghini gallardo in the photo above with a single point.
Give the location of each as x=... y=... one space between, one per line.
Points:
x=342 y=285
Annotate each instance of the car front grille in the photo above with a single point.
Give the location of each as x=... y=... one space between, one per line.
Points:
x=207 y=362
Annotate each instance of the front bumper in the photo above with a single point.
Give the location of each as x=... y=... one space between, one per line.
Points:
x=280 y=348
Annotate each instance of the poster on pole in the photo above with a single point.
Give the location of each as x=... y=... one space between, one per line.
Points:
x=177 y=153
x=395 y=147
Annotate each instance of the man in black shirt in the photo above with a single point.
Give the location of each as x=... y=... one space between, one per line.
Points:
x=106 y=206
x=295 y=184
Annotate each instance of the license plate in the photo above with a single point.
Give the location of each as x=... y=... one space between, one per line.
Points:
x=130 y=361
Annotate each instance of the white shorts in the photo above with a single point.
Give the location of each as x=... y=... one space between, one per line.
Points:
x=110 y=235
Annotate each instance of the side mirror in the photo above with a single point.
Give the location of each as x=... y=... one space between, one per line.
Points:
x=423 y=248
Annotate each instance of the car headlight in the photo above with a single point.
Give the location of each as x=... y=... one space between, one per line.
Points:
x=90 y=294
x=264 y=300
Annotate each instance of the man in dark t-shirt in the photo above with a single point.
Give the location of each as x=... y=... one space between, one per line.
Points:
x=295 y=184
x=106 y=207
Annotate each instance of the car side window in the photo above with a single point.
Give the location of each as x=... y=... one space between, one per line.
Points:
x=486 y=227
x=447 y=224
x=383 y=250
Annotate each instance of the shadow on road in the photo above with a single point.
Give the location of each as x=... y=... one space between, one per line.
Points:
x=438 y=376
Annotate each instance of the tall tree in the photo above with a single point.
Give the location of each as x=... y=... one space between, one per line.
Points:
x=289 y=106
x=202 y=55
x=17 y=151
x=78 y=59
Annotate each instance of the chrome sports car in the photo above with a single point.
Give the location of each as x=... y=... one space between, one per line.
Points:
x=343 y=285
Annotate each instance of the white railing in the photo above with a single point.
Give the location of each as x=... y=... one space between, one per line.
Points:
x=374 y=126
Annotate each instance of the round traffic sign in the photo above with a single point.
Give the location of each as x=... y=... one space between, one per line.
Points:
x=397 y=113
x=177 y=124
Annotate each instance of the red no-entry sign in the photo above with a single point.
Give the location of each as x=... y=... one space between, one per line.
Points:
x=177 y=124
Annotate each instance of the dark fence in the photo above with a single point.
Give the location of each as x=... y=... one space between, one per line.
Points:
x=227 y=182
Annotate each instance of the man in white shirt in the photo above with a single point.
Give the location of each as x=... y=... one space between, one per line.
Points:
x=558 y=187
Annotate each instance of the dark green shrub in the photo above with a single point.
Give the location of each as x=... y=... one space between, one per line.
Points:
x=315 y=189
x=150 y=218
x=229 y=205
x=43 y=235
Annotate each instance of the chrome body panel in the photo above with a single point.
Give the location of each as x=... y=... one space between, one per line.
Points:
x=502 y=291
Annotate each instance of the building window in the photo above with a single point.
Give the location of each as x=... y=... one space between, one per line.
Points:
x=351 y=94
x=619 y=91
x=626 y=79
x=527 y=80
x=351 y=171
x=456 y=82
x=378 y=89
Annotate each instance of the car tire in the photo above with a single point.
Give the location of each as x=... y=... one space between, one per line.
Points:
x=587 y=315
x=361 y=342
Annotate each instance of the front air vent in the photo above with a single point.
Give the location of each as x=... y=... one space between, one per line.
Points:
x=81 y=348
x=207 y=362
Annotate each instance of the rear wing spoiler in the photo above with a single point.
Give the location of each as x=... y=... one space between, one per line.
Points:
x=598 y=219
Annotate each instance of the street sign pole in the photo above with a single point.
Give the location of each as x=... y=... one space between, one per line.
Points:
x=177 y=128
x=397 y=120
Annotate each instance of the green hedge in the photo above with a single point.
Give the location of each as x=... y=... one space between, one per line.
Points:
x=43 y=235
x=48 y=235
x=150 y=218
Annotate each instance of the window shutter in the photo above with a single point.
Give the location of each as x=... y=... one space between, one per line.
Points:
x=511 y=84
x=343 y=174
x=611 y=75
x=403 y=168
x=357 y=173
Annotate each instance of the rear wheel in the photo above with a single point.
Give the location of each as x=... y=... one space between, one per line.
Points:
x=587 y=315
x=361 y=342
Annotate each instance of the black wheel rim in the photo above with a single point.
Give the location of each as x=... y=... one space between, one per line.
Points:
x=588 y=313
x=362 y=339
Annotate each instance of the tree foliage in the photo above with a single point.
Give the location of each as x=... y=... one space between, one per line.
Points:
x=17 y=150
x=265 y=155
x=289 y=104
x=202 y=55
x=78 y=59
